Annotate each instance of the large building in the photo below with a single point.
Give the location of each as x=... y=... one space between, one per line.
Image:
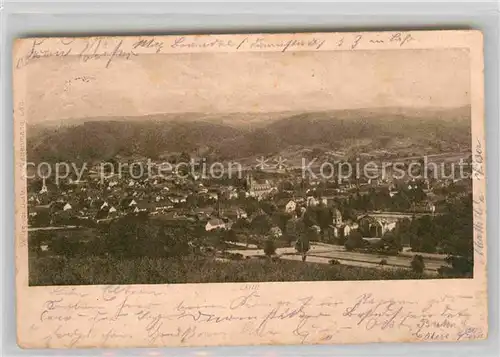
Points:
x=258 y=190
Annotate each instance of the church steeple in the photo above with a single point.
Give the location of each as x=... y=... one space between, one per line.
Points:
x=249 y=181
x=44 y=186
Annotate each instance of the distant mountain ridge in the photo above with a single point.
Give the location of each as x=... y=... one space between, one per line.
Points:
x=263 y=118
x=235 y=135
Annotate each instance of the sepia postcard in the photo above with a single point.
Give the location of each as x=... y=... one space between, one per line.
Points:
x=250 y=189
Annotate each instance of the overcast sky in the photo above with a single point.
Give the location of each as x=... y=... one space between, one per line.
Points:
x=247 y=82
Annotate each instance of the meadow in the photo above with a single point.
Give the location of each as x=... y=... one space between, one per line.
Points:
x=91 y=270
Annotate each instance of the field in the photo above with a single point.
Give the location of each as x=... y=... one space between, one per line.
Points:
x=323 y=253
x=111 y=270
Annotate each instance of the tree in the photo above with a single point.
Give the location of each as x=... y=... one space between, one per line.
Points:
x=347 y=212
x=417 y=264
x=404 y=231
x=354 y=241
x=457 y=232
x=41 y=219
x=391 y=241
x=217 y=239
x=269 y=248
x=281 y=219
x=184 y=157
x=268 y=207
x=460 y=266
x=312 y=234
x=174 y=241
x=261 y=224
x=251 y=205
x=302 y=246
x=295 y=228
x=231 y=236
x=425 y=237
x=241 y=224
x=310 y=218
x=324 y=218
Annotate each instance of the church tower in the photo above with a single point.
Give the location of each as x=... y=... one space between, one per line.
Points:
x=44 y=186
x=249 y=181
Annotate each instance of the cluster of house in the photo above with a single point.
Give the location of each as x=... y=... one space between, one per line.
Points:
x=91 y=199
x=95 y=200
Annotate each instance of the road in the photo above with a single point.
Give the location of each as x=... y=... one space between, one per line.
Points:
x=323 y=253
x=59 y=228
